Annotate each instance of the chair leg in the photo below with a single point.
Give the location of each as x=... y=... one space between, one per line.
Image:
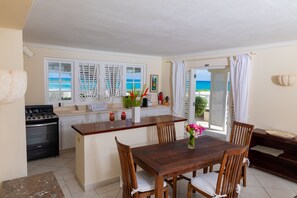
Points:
x=166 y=193
x=189 y=193
x=174 y=186
x=194 y=175
x=205 y=170
x=211 y=168
x=244 y=176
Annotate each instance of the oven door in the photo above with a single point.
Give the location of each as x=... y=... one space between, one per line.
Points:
x=42 y=139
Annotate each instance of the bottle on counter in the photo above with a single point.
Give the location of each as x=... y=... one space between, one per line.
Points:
x=111 y=116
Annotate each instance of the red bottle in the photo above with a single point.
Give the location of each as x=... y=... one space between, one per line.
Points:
x=160 y=98
x=111 y=116
x=123 y=115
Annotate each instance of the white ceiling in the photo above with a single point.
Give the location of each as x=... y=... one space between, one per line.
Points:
x=161 y=27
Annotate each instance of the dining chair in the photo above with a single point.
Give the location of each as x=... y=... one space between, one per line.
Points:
x=241 y=134
x=135 y=184
x=166 y=133
x=226 y=182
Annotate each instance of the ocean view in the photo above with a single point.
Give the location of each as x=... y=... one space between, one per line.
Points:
x=66 y=84
x=203 y=85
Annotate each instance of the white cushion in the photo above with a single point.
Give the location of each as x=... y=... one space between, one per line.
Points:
x=206 y=183
x=145 y=181
x=246 y=160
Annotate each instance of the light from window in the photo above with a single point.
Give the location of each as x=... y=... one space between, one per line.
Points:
x=133 y=79
x=59 y=81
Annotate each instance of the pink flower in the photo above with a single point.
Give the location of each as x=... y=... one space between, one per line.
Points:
x=191 y=128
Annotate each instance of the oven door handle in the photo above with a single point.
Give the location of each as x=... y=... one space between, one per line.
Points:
x=40 y=125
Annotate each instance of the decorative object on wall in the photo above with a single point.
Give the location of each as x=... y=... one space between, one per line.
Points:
x=13 y=85
x=154 y=83
x=286 y=80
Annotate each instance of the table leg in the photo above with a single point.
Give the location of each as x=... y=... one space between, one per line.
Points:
x=159 y=180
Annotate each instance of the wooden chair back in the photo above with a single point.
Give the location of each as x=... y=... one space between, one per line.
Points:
x=230 y=171
x=127 y=167
x=241 y=133
x=166 y=132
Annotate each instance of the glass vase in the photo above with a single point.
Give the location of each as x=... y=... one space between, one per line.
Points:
x=191 y=142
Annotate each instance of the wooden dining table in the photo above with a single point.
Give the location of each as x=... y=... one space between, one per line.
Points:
x=174 y=158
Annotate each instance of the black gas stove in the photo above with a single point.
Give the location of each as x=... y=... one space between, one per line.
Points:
x=39 y=112
x=42 y=131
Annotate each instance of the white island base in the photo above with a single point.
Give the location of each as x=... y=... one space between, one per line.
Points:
x=97 y=160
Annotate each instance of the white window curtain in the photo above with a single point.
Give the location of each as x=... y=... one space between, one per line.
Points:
x=178 y=87
x=239 y=76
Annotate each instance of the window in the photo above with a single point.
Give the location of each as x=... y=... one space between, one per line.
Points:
x=90 y=81
x=134 y=78
x=59 y=82
x=113 y=80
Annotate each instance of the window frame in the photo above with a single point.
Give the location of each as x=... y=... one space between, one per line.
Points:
x=46 y=70
x=143 y=75
x=75 y=91
x=78 y=99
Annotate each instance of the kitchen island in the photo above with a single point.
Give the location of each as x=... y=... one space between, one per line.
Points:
x=97 y=161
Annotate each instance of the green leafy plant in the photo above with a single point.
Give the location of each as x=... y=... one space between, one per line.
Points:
x=200 y=106
x=127 y=102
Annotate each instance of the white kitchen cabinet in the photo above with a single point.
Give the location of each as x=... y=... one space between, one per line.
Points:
x=67 y=133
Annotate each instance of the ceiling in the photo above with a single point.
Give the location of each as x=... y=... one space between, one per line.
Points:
x=161 y=27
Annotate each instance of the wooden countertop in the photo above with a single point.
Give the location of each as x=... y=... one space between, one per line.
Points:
x=104 y=127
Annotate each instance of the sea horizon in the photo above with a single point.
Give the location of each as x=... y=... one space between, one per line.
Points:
x=54 y=84
x=203 y=85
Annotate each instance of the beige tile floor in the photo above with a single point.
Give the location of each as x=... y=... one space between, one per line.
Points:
x=259 y=184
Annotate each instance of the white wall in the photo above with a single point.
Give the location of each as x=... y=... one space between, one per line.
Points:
x=12 y=116
x=270 y=106
x=35 y=66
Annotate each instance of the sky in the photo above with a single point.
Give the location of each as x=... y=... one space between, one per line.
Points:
x=202 y=75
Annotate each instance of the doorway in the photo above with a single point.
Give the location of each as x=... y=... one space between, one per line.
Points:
x=210 y=89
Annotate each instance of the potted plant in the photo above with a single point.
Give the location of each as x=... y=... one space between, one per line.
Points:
x=136 y=98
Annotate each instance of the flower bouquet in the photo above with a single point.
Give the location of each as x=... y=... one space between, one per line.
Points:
x=193 y=130
x=134 y=98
